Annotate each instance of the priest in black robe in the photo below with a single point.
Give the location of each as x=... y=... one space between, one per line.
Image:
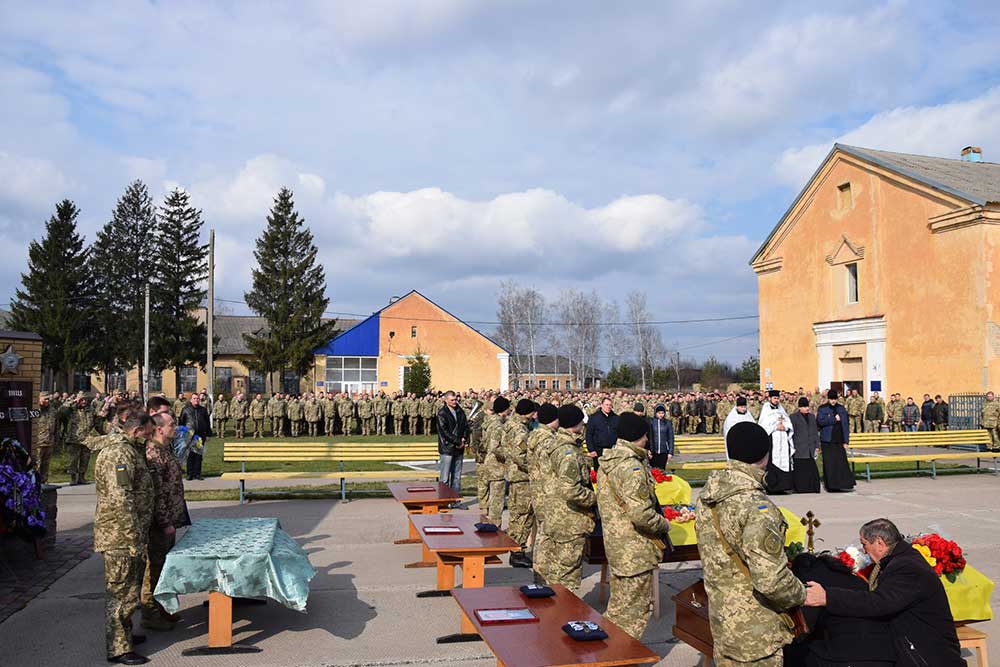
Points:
x=834 y=436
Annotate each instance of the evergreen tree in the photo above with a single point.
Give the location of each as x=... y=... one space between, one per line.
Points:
x=289 y=291
x=417 y=379
x=123 y=260
x=622 y=376
x=180 y=271
x=57 y=296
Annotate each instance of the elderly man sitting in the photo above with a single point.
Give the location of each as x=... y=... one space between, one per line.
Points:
x=904 y=589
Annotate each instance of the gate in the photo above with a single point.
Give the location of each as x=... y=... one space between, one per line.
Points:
x=964 y=411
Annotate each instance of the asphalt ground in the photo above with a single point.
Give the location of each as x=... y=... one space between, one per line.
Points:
x=362 y=607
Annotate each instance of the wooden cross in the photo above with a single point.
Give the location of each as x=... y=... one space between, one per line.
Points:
x=811 y=523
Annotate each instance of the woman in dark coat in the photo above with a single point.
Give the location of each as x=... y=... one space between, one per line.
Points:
x=834 y=435
x=838 y=641
x=805 y=474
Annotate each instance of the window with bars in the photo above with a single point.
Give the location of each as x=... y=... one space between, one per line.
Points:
x=342 y=371
x=189 y=379
x=257 y=382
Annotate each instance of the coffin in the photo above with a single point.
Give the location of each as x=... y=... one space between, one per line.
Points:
x=691 y=618
x=593 y=552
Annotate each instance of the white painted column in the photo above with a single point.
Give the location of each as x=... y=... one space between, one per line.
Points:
x=824 y=355
x=504 y=370
x=875 y=357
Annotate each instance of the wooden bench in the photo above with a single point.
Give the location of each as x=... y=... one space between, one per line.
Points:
x=244 y=452
x=975 y=641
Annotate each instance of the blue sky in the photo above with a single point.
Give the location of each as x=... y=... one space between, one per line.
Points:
x=446 y=145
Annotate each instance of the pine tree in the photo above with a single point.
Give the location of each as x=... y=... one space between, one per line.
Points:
x=57 y=297
x=417 y=379
x=180 y=271
x=289 y=291
x=123 y=260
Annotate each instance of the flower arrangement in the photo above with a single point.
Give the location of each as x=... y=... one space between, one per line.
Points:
x=659 y=476
x=20 y=492
x=593 y=476
x=679 y=513
x=943 y=555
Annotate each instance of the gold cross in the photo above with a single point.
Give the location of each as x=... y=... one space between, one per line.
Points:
x=811 y=523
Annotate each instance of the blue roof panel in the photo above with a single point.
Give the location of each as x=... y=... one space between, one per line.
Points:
x=360 y=340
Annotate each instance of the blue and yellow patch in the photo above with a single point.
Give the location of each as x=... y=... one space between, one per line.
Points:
x=762 y=508
x=119 y=467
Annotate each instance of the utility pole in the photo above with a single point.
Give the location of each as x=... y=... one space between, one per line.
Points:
x=210 y=317
x=145 y=352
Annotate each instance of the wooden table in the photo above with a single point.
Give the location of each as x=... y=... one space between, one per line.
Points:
x=469 y=550
x=422 y=502
x=544 y=644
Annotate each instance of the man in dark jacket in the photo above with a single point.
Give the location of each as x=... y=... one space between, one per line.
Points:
x=940 y=414
x=927 y=413
x=602 y=430
x=453 y=433
x=195 y=417
x=661 y=437
x=904 y=589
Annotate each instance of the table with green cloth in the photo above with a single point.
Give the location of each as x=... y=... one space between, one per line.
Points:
x=235 y=558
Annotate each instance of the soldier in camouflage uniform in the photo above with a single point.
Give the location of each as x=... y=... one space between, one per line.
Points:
x=49 y=425
x=477 y=448
x=425 y=408
x=276 y=411
x=345 y=410
x=676 y=412
x=491 y=473
x=741 y=536
x=855 y=411
x=548 y=422
x=121 y=529
x=894 y=413
x=398 y=411
x=989 y=419
x=366 y=413
x=258 y=412
x=411 y=408
x=313 y=411
x=329 y=414
x=380 y=410
x=179 y=405
x=220 y=415
x=567 y=501
x=169 y=514
x=238 y=411
x=514 y=444
x=79 y=427
x=634 y=529
x=296 y=415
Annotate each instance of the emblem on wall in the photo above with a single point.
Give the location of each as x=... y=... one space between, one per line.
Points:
x=10 y=361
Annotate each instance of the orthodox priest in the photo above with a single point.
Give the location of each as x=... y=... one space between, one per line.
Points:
x=778 y=425
x=739 y=413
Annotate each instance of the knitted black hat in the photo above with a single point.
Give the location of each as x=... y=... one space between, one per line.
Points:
x=659 y=408
x=747 y=442
x=832 y=395
x=547 y=413
x=742 y=400
x=500 y=404
x=803 y=402
x=639 y=407
x=525 y=406
x=632 y=427
x=569 y=416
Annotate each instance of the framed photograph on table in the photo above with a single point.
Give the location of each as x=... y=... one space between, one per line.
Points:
x=442 y=530
x=506 y=615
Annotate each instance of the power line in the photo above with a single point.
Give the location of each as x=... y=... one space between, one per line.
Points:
x=716 y=342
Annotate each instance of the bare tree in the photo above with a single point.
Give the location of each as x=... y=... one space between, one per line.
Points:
x=521 y=314
x=617 y=344
x=579 y=317
x=507 y=334
x=635 y=306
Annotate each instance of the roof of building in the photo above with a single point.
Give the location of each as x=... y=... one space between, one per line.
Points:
x=548 y=364
x=229 y=330
x=4 y=318
x=976 y=182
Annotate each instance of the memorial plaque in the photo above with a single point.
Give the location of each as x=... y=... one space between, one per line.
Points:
x=16 y=412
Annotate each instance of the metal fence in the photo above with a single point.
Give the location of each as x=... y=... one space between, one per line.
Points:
x=964 y=410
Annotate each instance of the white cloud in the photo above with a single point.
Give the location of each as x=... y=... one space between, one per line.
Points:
x=941 y=130
x=30 y=184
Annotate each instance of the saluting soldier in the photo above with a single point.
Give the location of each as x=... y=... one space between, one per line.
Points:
x=741 y=536
x=49 y=422
x=258 y=413
x=238 y=411
x=79 y=427
x=220 y=415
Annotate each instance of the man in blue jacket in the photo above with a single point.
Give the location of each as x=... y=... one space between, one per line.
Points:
x=661 y=437
x=834 y=436
x=927 y=413
x=602 y=430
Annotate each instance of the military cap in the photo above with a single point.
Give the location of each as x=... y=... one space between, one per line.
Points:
x=500 y=404
x=569 y=415
x=547 y=413
x=525 y=406
x=632 y=427
x=747 y=442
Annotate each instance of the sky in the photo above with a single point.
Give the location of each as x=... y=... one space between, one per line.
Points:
x=447 y=145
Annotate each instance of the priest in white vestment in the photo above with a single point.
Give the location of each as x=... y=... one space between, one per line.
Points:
x=738 y=414
x=778 y=425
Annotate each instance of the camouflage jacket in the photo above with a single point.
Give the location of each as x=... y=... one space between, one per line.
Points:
x=345 y=407
x=397 y=407
x=535 y=439
x=745 y=625
x=124 y=497
x=365 y=408
x=169 y=508
x=220 y=410
x=238 y=409
x=380 y=406
x=855 y=406
x=178 y=406
x=80 y=426
x=295 y=411
x=313 y=410
x=49 y=420
x=633 y=528
x=258 y=409
x=426 y=408
x=990 y=416
x=493 y=466
x=569 y=500
x=894 y=410
x=514 y=445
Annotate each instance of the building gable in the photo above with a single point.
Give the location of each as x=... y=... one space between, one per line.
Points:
x=361 y=340
x=845 y=253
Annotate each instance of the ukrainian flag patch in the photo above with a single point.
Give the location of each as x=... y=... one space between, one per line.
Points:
x=119 y=468
x=761 y=508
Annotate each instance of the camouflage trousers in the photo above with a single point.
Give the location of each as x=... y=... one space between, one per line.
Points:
x=872 y=426
x=775 y=660
x=329 y=425
x=220 y=431
x=313 y=429
x=367 y=425
x=258 y=428
x=397 y=425
x=241 y=428
x=122 y=581
x=380 y=424
x=482 y=492
x=493 y=505
x=994 y=437
x=277 y=426
x=43 y=455
x=295 y=427
x=561 y=560
x=896 y=426
x=413 y=425
x=522 y=518
x=348 y=423
x=156 y=556
x=856 y=423
x=79 y=460
x=676 y=423
x=631 y=602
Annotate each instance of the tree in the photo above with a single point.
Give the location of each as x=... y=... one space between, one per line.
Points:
x=289 y=291
x=521 y=315
x=417 y=378
x=57 y=296
x=178 y=337
x=621 y=377
x=579 y=325
x=635 y=304
x=124 y=260
x=750 y=370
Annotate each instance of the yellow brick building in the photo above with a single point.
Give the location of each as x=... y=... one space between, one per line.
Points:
x=20 y=364
x=884 y=274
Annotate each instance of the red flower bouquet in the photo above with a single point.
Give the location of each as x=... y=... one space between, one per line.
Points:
x=660 y=476
x=846 y=559
x=943 y=555
x=679 y=513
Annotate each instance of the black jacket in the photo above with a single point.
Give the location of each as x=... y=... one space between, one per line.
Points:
x=661 y=436
x=911 y=598
x=838 y=640
x=451 y=430
x=805 y=435
x=927 y=411
x=941 y=413
x=601 y=431
x=196 y=419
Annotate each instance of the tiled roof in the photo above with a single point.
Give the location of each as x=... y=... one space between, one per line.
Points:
x=229 y=330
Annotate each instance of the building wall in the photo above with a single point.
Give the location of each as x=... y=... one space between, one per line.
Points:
x=935 y=291
x=459 y=356
x=238 y=364
x=547 y=378
x=29 y=370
